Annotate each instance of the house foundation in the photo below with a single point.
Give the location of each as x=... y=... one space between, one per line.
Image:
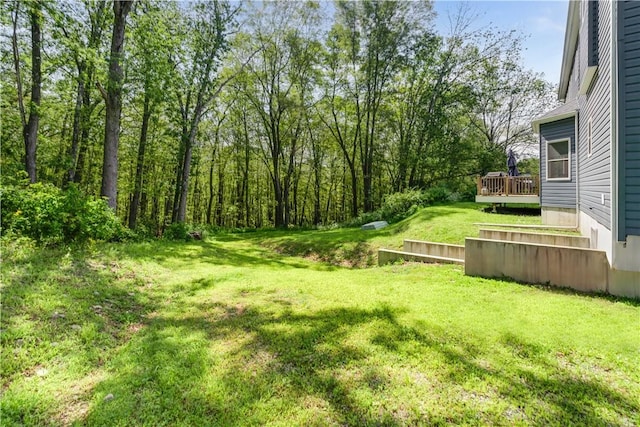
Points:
x=559 y=216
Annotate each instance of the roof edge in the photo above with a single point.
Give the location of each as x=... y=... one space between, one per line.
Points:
x=543 y=120
x=570 y=42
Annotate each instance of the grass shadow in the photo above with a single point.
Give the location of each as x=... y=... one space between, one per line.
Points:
x=63 y=310
x=347 y=247
x=245 y=365
x=214 y=252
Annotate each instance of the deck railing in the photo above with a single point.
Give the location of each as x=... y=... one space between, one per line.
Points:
x=508 y=185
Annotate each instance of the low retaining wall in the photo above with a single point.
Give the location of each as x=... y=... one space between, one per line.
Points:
x=540 y=238
x=624 y=283
x=582 y=269
x=386 y=256
x=435 y=249
x=558 y=216
x=530 y=226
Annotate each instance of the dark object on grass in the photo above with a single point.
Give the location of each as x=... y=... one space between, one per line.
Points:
x=375 y=225
x=524 y=211
x=195 y=235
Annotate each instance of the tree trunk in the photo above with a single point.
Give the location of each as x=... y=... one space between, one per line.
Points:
x=210 y=203
x=17 y=66
x=195 y=198
x=186 y=168
x=178 y=175
x=220 y=204
x=31 y=129
x=135 y=202
x=317 y=187
x=113 y=99
x=75 y=135
x=277 y=194
x=84 y=141
x=245 y=174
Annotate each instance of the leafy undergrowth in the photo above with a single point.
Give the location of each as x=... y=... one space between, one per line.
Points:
x=353 y=247
x=228 y=332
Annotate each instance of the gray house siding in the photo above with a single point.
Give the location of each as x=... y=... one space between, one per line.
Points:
x=558 y=194
x=574 y=80
x=595 y=107
x=629 y=119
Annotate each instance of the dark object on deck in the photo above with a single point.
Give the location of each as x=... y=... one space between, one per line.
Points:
x=491 y=184
x=512 y=163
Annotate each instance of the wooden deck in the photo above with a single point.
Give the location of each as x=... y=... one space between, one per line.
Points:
x=508 y=189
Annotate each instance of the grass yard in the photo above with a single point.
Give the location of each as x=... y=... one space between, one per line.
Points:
x=234 y=331
x=353 y=248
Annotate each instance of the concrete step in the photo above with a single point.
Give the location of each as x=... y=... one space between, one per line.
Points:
x=529 y=226
x=434 y=249
x=386 y=256
x=538 y=238
x=583 y=269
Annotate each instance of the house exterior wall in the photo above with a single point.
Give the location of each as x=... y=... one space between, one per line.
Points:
x=558 y=194
x=607 y=134
x=574 y=80
x=595 y=111
x=629 y=120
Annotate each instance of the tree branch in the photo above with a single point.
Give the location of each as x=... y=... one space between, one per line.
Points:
x=103 y=92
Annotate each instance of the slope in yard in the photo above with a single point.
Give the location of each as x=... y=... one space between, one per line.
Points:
x=355 y=247
x=229 y=332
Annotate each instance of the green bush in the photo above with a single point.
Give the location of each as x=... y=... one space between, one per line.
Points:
x=398 y=206
x=395 y=207
x=185 y=231
x=437 y=194
x=50 y=215
x=176 y=231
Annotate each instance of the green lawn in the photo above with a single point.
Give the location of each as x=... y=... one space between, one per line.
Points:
x=355 y=248
x=230 y=332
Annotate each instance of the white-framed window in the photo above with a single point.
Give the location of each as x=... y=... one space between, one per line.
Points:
x=559 y=160
x=589 y=137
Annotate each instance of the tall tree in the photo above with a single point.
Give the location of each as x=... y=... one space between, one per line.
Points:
x=31 y=130
x=342 y=101
x=278 y=87
x=197 y=69
x=79 y=30
x=30 y=124
x=153 y=42
x=508 y=98
x=378 y=36
x=113 y=100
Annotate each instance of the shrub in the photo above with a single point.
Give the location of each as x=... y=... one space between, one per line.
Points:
x=398 y=206
x=176 y=231
x=395 y=208
x=50 y=215
x=437 y=194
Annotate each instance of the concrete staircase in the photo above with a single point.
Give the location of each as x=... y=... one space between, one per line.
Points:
x=539 y=238
x=428 y=252
x=557 y=259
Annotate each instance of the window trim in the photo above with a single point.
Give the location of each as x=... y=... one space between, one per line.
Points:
x=555 y=141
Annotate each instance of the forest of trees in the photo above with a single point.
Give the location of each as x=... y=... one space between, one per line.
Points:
x=256 y=114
